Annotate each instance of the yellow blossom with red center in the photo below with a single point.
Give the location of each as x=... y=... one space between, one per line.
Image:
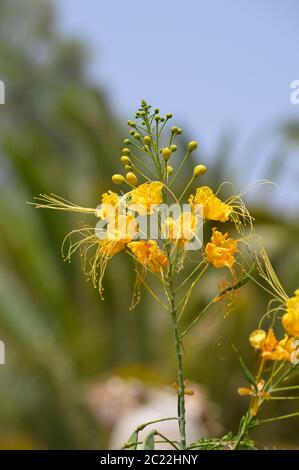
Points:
x=221 y=249
x=290 y=319
x=146 y=196
x=271 y=348
x=212 y=207
x=149 y=254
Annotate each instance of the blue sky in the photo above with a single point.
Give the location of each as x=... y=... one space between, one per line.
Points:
x=217 y=65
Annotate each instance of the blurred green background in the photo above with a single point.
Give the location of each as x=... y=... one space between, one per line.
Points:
x=60 y=134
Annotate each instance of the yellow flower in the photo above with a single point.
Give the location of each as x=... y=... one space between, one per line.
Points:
x=221 y=249
x=110 y=247
x=181 y=229
x=146 y=196
x=118 y=233
x=272 y=349
x=290 y=320
x=149 y=254
x=110 y=201
x=213 y=208
x=256 y=392
x=121 y=229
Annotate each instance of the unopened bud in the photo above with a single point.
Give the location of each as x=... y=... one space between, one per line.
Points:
x=199 y=170
x=192 y=146
x=125 y=160
x=132 y=178
x=126 y=151
x=147 y=139
x=166 y=153
x=118 y=179
x=169 y=170
x=173 y=148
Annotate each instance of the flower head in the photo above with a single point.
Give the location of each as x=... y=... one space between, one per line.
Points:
x=110 y=201
x=290 y=320
x=149 y=254
x=271 y=348
x=221 y=249
x=213 y=207
x=146 y=196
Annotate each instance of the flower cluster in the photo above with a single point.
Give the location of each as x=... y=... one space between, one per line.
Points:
x=121 y=228
x=283 y=353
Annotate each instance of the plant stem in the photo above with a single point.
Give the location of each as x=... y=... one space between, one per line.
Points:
x=179 y=358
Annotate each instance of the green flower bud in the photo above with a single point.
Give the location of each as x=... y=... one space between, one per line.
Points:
x=125 y=160
x=199 y=170
x=173 y=148
x=132 y=178
x=174 y=130
x=126 y=151
x=147 y=140
x=192 y=146
x=127 y=142
x=169 y=115
x=118 y=179
x=169 y=170
x=166 y=153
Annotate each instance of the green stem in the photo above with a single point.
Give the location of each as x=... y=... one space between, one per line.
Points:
x=181 y=384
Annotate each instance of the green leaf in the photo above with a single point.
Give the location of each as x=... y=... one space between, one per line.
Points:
x=132 y=442
x=240 y=283
x=149 y=441
x=247 y=374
